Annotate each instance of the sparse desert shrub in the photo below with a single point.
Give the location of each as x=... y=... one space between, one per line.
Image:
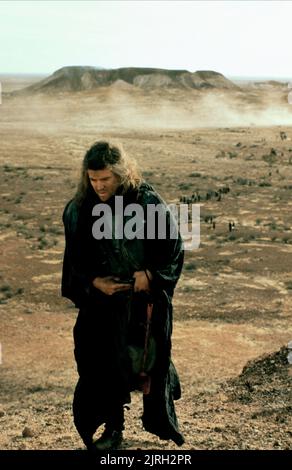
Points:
x=223 y=262
x=55 y=230
x=190 y=266
x=232 y=154
x=265 y=184
x=221 y=154
x=184 y=186
x=8 y=168
x=242 y=181
x=288 y=284
x=273 y=226
x=188 y=288
x=24 y=231
x=248 y=237
x=5 y=288
x=231 y=237
x=6 y=292
x=270 y=159
x=42 y=243
x=195 y=175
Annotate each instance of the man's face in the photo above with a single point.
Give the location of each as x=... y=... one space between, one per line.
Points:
x=104 y=182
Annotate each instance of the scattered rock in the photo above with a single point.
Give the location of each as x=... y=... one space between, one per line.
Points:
x=28 y=310
x=28 y=432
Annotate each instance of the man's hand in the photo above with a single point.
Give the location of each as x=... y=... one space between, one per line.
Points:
x=142 y=281
x=110 y=285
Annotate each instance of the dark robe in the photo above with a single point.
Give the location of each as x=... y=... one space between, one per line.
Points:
x=101 y=329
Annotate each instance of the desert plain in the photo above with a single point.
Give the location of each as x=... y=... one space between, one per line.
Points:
x=228 y=150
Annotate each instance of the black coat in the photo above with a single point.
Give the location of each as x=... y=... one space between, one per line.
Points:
x=86 y=258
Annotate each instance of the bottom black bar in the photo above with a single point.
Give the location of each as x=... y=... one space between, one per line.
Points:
x=140 y=459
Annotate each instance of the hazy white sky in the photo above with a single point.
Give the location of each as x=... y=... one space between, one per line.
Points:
x=236 y=38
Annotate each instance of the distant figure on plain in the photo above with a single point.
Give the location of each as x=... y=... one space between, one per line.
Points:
x=231 y=226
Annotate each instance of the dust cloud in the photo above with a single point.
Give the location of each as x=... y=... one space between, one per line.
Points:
x=128 y=107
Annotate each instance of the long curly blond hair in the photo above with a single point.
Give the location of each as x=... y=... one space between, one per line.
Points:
x=101 y=155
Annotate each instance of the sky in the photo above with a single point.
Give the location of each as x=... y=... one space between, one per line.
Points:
x=236 y=38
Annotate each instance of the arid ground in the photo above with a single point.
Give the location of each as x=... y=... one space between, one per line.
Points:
x=233 y=302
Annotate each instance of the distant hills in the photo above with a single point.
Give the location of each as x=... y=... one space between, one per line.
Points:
x=78 y=78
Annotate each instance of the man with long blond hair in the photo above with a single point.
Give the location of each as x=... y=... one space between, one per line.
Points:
x=121 y=273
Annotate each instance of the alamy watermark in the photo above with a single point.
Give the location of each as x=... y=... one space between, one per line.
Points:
x=155 y=221
x=289 y=357
x=290 y=93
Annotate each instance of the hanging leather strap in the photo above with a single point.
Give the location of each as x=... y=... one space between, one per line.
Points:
x=144 y=377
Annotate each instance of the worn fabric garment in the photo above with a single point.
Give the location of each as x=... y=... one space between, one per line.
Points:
x=101 y=330
x=103 y=365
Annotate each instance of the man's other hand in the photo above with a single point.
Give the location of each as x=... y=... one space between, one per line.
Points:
x=110 y=285
x=142 y=280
